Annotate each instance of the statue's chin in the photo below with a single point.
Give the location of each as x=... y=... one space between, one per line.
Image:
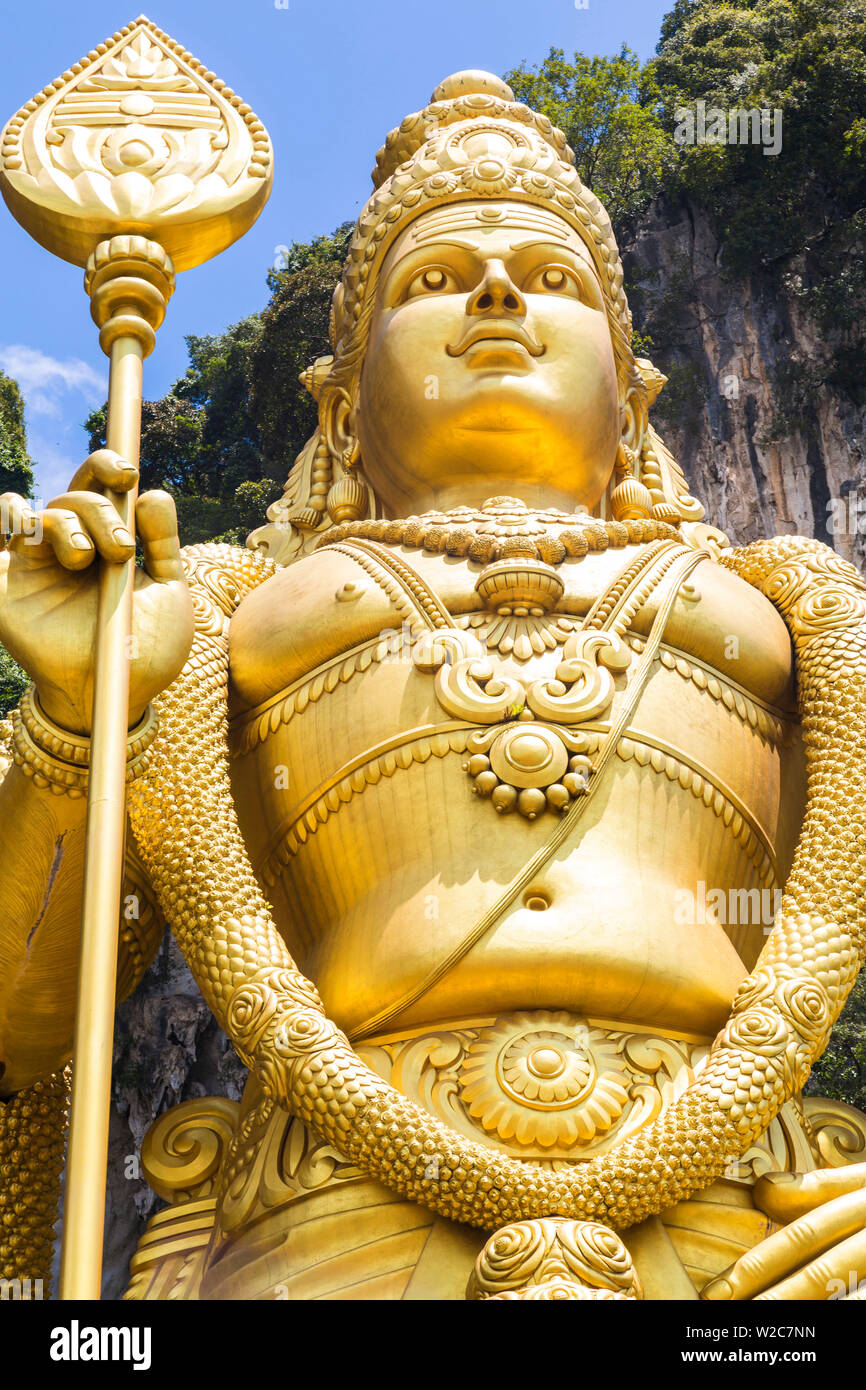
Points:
x=469 y=463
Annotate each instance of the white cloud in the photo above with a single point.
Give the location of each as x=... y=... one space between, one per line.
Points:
x=43 y=379
x=55 y=463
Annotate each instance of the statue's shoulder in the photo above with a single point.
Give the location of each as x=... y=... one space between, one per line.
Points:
x=734 y=629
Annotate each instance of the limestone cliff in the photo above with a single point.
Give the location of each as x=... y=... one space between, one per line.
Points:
x=755 y=409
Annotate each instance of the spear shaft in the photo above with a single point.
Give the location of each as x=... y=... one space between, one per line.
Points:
x=87 y=1161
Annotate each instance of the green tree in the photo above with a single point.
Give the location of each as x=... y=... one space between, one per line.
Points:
x=294 y=333
x=16 y=468
x=16 y=475
x=608 y=110
x=13 y=682
x=841 y=1072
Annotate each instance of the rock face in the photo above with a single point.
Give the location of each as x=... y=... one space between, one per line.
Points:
x=766 y=443
x=726 y=345
x=167 y=1048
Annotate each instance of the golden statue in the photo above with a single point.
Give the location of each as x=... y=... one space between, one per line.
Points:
x=421 y=780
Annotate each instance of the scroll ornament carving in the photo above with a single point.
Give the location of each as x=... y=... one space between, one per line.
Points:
x=183 y=1151
x=583 y=689
x=528 y=764
x=837 y=1130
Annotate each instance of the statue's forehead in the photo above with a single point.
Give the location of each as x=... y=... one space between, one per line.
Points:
x=474 y=224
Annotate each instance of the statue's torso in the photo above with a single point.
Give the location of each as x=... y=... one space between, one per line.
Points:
x=358 y=814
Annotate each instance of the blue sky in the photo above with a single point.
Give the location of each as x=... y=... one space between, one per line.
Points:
x=329 y=78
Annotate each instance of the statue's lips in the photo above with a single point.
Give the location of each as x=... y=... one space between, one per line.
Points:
x=497 y=331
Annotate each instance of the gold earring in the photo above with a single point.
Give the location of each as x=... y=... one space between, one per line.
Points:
x=631 y=501
x=349 y=456
x=348 y=499
x=626 y=459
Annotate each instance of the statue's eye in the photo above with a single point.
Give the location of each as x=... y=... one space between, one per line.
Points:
x=554 y=279
x=433 y=280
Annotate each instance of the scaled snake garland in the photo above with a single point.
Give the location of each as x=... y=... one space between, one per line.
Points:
x=190 y=842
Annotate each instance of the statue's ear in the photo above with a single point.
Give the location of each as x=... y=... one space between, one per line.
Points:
x=338 y=423
x=634 y=415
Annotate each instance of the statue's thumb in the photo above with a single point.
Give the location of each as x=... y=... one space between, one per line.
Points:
x=156 y=522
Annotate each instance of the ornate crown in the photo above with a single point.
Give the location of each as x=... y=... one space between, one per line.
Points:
x=473 y=140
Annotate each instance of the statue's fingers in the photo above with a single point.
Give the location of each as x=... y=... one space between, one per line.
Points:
x=21 y=527
x=156 y=520
x=100 y=521
x=832 y=1275
x=69 y=541
x=804 y=1240
x=785 y=1197
x=104 y=468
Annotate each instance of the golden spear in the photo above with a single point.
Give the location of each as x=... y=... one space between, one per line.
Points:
x=134 y=163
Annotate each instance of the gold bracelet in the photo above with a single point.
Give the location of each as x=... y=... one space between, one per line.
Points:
x=59 y=760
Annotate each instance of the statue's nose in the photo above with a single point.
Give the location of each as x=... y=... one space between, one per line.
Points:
x=496 y=293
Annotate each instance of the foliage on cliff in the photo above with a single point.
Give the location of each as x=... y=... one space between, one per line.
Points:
x=841 y=1072
x=802 y=58
x=13 y=682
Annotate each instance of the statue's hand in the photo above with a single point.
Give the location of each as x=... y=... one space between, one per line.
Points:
x=48 y=590
x=819 y=1254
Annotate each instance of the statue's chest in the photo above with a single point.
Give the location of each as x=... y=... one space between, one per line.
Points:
x=516 y=699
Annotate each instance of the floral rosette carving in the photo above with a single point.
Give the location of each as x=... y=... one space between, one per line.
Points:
x=825 y=607
x=596 y=1255
x=206 y=615
x=250 y=1010
x=828 y=564
x=296 y=987
x=439 y=185
x=303 y=1031
x=786 y=584
x=759 y=986
x=281 y=1010
x=512 y=1256
x=802 y=1002
x=544 y=1079
x=805 y=1003
x=758 y=1029
x=556 y=1291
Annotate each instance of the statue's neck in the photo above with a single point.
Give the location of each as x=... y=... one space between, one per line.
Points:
x=472 y=492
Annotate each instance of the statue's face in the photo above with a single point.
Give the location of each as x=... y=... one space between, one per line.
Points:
x=489 y=367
